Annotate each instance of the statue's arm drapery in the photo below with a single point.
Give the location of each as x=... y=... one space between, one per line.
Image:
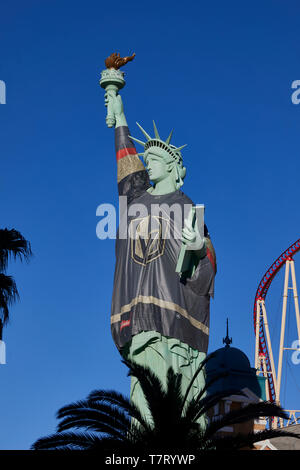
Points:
x=132 y=176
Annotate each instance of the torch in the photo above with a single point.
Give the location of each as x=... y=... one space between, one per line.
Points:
x=112 y=80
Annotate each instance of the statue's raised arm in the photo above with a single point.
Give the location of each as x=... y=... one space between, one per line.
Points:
x=132 y=175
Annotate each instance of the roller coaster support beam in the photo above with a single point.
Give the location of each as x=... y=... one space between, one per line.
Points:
x=260 y=362
x=289 y=267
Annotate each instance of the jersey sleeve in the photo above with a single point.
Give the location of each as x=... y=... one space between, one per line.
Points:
x=132 y=176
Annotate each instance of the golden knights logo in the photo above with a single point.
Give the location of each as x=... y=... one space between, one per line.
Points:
x=148 y=238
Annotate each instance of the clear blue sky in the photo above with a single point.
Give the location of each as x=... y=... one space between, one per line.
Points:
x=220 y=74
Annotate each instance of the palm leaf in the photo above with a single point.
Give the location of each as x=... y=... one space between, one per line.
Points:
x=173 y=397
x=111 y=422
x=8 y=294
x=151 y=386
x=67 y=441
x=247 y=413
x=200 y=368
x=94 y=414
x=198 y=407
x=115 y=398
x=106 y=418
x=13 y=244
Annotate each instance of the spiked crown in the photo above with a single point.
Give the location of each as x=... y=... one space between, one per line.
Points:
x=173 y=151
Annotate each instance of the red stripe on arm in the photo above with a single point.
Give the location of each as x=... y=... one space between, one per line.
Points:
x=127 y=151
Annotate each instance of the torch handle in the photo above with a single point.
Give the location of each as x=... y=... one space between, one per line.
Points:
x=110 y=116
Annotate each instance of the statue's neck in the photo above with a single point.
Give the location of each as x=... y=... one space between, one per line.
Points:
x=165 y=186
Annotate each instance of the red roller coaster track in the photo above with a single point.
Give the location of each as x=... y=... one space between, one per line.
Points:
x=261 y=294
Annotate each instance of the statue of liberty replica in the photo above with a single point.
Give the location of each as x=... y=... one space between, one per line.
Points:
x=165 y=267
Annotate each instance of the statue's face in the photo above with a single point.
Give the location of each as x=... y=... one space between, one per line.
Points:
x=156 y=166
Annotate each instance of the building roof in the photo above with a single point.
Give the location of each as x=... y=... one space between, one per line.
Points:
x=230 y=359
x=286 y=443
x=240 y=374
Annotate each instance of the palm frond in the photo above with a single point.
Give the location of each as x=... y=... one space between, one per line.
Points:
x=106 y=418
x=200 y=368
x=99 y=416
x=197 y=407
x=151 y=386
x=67 y=441
x=199 y=401
x=67 y=409
x=8 y=295
x=210 y=382
x=110 y=421
x=247 y=413
x=174 y=397
x=115 y=398
x=13 y=244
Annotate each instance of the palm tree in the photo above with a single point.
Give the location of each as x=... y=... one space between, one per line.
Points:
x=110 y=421
x=12 y=245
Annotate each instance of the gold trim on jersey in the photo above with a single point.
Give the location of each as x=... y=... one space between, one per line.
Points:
x=145 y=299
